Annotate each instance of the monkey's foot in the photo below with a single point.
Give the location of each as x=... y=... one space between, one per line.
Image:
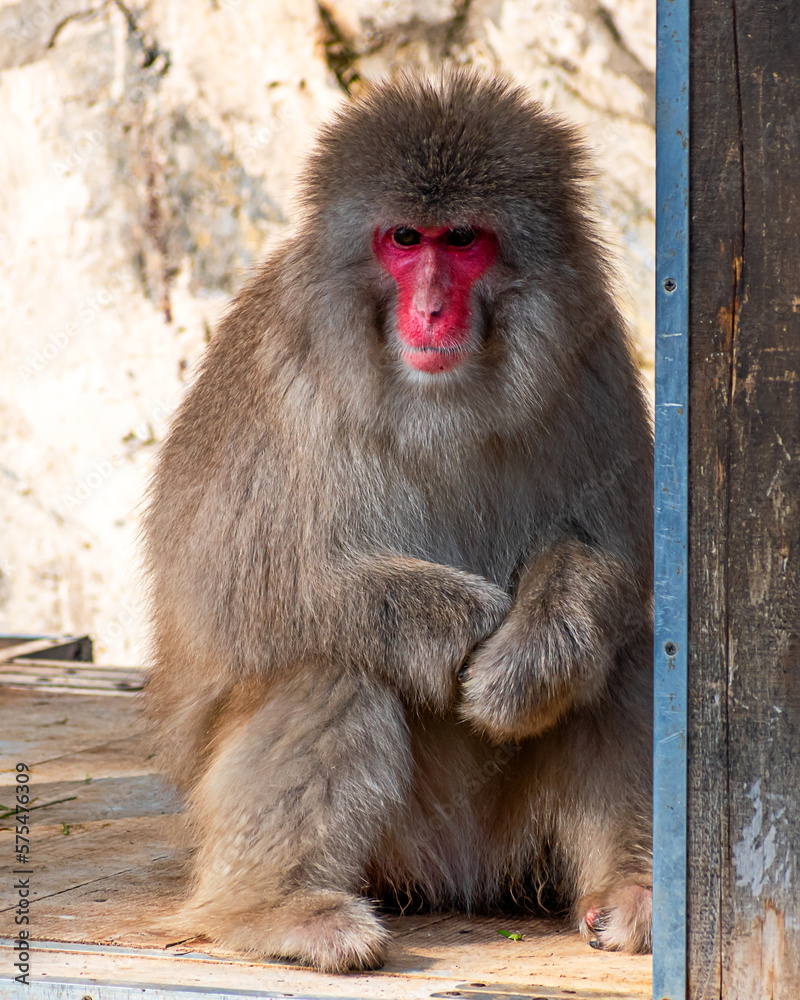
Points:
x=618 y=920
x=331 y=931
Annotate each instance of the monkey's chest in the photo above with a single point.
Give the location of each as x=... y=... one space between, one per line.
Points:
x=487 y=534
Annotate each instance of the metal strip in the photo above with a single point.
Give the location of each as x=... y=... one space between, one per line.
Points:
x=671 y=500
x=93 y=989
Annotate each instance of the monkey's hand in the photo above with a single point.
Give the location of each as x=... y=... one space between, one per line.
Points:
x=557 y=647
x=417 y=622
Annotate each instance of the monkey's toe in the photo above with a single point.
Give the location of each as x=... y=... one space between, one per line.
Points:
x=618 y=920
x=596 y=919
x=330 y=931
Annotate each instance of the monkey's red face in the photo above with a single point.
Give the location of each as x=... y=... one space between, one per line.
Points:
x=435 y=270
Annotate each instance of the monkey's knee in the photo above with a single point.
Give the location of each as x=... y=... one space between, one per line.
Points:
x=317 y=759
x=329 y=930
x=620 y=919
x=295 y=797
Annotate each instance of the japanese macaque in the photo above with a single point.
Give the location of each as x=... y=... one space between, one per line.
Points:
x=400 y=546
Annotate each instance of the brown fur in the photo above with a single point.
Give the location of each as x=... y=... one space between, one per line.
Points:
x=331 y=535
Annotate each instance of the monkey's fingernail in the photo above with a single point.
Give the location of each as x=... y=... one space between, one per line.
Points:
x=463 y=673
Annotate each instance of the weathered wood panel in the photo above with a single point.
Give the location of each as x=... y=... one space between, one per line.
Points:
x=744 y=699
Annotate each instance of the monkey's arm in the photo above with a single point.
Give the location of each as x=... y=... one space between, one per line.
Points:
x=575 y=608
x=412 y=622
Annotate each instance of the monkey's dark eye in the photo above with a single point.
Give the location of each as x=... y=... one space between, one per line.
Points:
x=460 y=237
x=406 y=237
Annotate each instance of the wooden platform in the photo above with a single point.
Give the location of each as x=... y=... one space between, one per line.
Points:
x=107 y=873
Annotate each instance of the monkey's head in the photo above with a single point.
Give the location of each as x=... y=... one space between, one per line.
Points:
x=454 y=208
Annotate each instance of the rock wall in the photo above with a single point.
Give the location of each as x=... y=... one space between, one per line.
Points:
x=149 y=155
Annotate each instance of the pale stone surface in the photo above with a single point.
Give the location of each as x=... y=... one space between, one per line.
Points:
x=148 y=159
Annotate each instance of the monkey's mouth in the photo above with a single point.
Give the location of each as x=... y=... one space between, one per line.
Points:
x=433 y=360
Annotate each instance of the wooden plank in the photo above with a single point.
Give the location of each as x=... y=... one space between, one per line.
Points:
x=57 y=675
x=109 y=874
x=143 y=971
x=66 y=737
x=95 y=884
x=715 y=260
x=90 y=799
x=26 y=647
x=108 y=912
x=64 y=647
x=106 y=904
x=744 y=790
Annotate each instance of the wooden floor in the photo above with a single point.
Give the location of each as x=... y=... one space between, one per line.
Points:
x=107 y=874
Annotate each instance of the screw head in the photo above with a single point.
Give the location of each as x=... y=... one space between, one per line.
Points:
x=670 y=284
x=670 y=648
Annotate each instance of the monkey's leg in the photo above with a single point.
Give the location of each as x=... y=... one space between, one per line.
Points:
x=452 y=844
x=591 y=778
x=303 y=778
